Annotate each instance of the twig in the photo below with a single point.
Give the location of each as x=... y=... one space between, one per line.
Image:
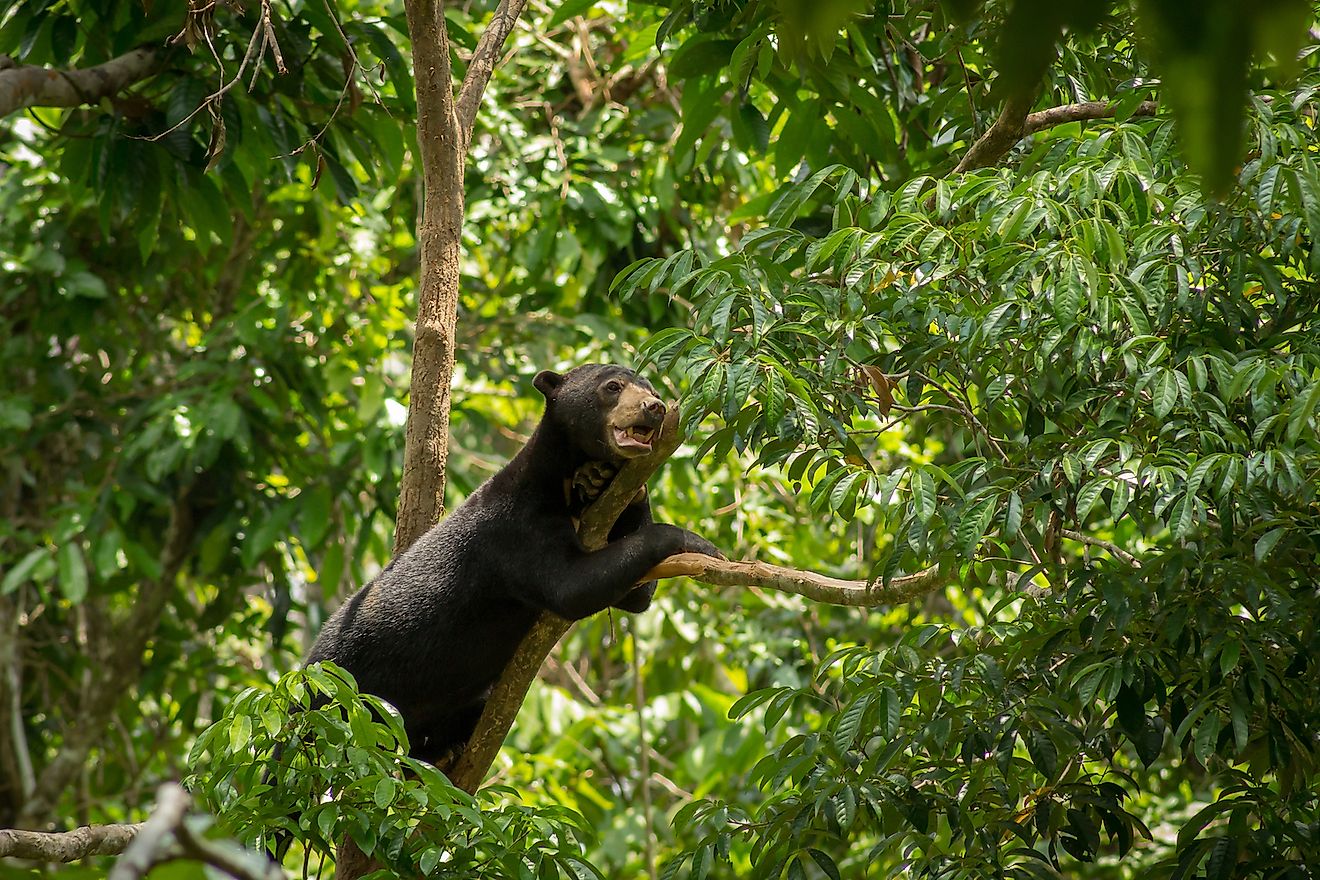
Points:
x=483 y=62
x=1114 y=549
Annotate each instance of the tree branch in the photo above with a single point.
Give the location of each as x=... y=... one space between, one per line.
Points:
x=439 y=228
x=1000 y=137
x=817 y=587
x=154 y=836
x=25 y=85
x=483 y=61
x=1015 y=123
x=166 y=835
x=67 y=846
x=1086 y=110
x=1117 y=551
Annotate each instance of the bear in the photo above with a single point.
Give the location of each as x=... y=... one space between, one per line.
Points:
x=434 y=630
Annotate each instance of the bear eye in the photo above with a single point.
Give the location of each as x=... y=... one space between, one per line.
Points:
x=614 y=386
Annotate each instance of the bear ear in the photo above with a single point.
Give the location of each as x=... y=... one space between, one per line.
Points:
x=547 y=382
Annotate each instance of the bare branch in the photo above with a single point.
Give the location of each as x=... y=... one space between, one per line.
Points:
x=482 y=64
x=1043 y=119
x=1117 y=551
x=818 y=587
x=1015 y=123
x=154 y=836
x=166 y=835
x=439 y=229
x=25 y=85
x=67 y=846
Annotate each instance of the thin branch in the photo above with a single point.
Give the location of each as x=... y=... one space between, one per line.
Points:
x=484 y=59
x=1086 y=110
x=817 y=587
x=1115 y=550
x=25 y=85
x=154 y=836
x=166 y=835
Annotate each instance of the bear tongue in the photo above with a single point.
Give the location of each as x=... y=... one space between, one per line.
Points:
x=633 y=437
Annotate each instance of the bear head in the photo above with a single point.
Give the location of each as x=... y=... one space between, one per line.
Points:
x=608 y=412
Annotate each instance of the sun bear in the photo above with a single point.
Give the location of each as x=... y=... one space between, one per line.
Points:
x=433 y=631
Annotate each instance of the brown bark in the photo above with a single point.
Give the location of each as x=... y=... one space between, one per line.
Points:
x=440 y=145
x=817 y=587
x=67 y=846
x=24 y=85
x=1000 y=137
x=1082 y=112
x=1015 y=123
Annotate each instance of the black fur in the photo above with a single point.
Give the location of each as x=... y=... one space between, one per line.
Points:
x=433 y=631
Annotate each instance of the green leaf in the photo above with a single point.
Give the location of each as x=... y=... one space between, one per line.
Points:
x=240 y=733
x=17 y=575
x=384 y=792
x=1043 y=753
x=72 y=572
x=974 y=524
x=923 y=493
x=1267 y=542
x=826 y=863
x=850 y=723
x=1165 y=393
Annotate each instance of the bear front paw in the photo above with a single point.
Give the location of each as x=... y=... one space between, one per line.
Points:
x=694 y=543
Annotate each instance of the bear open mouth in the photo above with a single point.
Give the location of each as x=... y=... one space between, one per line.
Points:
x=637 y=437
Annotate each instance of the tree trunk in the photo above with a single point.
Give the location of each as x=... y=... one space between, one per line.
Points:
x=441 y=146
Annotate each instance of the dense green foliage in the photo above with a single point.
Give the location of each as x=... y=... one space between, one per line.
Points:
x=1079 y=384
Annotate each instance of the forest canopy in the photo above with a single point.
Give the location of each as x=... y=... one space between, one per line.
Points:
x=1018 y=298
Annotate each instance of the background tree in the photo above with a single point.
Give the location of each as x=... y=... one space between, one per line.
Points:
x=1104 y=383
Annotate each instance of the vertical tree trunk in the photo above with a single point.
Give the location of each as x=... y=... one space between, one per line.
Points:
x=444 y=130
x=441 y=146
